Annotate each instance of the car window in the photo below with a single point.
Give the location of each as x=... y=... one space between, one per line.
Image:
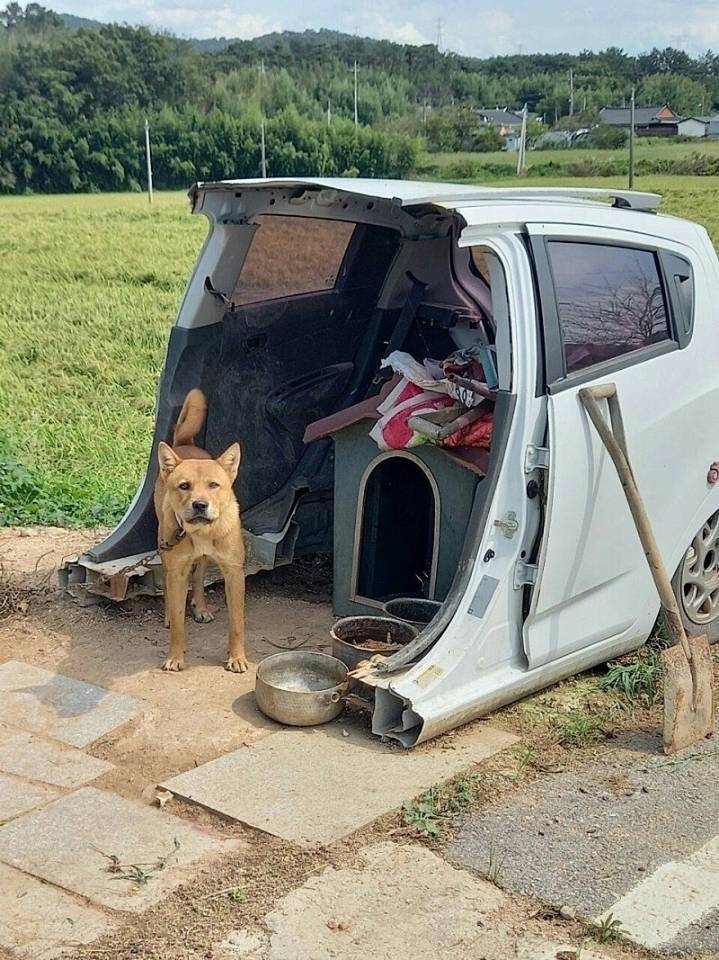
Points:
x=290 y=256
x=610 y=301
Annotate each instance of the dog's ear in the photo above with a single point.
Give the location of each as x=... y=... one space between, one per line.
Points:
x=167 y=459
x=230 y=461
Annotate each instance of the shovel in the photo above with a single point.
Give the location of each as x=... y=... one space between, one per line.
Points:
x=688 y=700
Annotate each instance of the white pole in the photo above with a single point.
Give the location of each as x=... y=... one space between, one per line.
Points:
x=263 y=160
x=329 y=112
x=148 y=157
x=356 y=119
x=571 y=92
x=522 y=143
x=631 y=141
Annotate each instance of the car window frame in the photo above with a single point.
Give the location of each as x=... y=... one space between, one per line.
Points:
x=680 y=325
x=342 y=270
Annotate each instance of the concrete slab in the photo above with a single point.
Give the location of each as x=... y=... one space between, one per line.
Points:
x=17 y=797
x=40 y=921
x=660 y=907
x=25 y=755
x=399 y=901
x=315 y=785
x=60 y=707
x=70 y=843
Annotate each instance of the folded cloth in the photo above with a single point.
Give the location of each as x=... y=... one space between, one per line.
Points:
x=476 y=434
x=392 y=431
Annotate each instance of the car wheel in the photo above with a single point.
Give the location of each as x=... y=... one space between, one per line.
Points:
x=696 y=582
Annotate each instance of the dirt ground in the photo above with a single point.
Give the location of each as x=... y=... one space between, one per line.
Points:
x=203 y=712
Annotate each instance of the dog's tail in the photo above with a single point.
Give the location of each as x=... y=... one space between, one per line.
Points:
x=192 y=416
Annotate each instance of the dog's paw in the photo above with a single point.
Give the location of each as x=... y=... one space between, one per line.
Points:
x=236 y=665
x=202 y=616
x=173 y=664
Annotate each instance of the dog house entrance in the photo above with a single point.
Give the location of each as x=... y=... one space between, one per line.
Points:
x=397 y=531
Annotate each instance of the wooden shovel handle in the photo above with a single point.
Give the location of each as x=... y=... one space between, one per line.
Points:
x=615 y=441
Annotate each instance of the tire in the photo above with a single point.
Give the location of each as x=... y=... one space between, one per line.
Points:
x=696 y=582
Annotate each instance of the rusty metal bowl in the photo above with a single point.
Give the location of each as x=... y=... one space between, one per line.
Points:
x=301 y=688
x=350 y=631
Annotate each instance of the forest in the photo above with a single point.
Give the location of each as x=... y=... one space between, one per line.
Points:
x=74 y=101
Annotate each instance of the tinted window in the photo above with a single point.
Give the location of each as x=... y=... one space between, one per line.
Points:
x=610 y=301
x=292 y=255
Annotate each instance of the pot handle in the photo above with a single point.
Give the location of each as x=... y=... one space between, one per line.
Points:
x=340 y=692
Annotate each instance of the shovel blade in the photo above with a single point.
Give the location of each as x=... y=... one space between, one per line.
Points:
x=688 y=711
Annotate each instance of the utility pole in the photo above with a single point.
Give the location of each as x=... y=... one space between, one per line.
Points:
x=329 y=112
x=356 y=117
x=521 y=153
x=148 y=157
x=571 y=91
x=439 y=34
x=631 y=142
x=263 y=158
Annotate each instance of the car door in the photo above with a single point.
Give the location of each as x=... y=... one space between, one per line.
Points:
x=611 y=314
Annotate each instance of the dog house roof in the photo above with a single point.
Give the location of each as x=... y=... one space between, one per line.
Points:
x=412 y=192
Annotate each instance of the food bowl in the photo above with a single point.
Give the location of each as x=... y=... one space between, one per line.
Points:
x=355 y=639
x=301 y=688
x=413 y=610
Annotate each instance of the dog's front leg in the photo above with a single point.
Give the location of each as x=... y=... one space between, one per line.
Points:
x=235 y=594
x=176 y=600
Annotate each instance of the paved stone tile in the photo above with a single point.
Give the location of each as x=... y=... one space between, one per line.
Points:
x=17 y=797
x=27 y=756
x=39 y=921
x=404 y=901
x=316 y=785
x=60 y=707
x=70 y=841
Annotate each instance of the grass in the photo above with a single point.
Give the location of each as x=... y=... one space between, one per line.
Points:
x=92 y=285
x=649 y=153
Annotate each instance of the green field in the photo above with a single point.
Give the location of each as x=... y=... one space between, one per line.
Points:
x=91 y=287
x=648 y=151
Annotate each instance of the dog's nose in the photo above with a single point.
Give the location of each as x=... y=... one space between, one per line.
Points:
x=199 y=506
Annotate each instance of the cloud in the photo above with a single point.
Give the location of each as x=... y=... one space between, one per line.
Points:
x=211 y=22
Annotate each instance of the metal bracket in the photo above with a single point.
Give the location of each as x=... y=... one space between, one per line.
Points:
x=536 y=458
x=508 y=524
x=525 y=574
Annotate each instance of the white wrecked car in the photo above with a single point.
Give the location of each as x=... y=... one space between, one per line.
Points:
x=510 y=300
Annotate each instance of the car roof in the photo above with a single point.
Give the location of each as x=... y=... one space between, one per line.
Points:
x=452 y=195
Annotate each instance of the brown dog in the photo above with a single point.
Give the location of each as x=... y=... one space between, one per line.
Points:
x=199 y=520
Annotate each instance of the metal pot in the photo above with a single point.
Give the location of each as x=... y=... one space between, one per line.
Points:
x=349 y=631
x=413 y=610
x=301 y=688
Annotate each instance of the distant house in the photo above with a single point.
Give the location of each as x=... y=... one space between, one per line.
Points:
x=658 y=121
x=713 y=126
x=693 y=126
x=505 y=120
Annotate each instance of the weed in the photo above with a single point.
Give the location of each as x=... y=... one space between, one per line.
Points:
x=238 y=894
x=579 y=729
x=423 y=815
x=609 y=930
x=428 y=813
x=638 y=681
x=525 y=757
x=496 y=862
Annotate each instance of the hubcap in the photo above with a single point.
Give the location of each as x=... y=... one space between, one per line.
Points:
x=700 y=574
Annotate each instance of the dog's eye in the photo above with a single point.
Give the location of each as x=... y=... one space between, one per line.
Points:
x=213 y=485
x=183 y=486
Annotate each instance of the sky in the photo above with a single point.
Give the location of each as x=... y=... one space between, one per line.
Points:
x=466 y=26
